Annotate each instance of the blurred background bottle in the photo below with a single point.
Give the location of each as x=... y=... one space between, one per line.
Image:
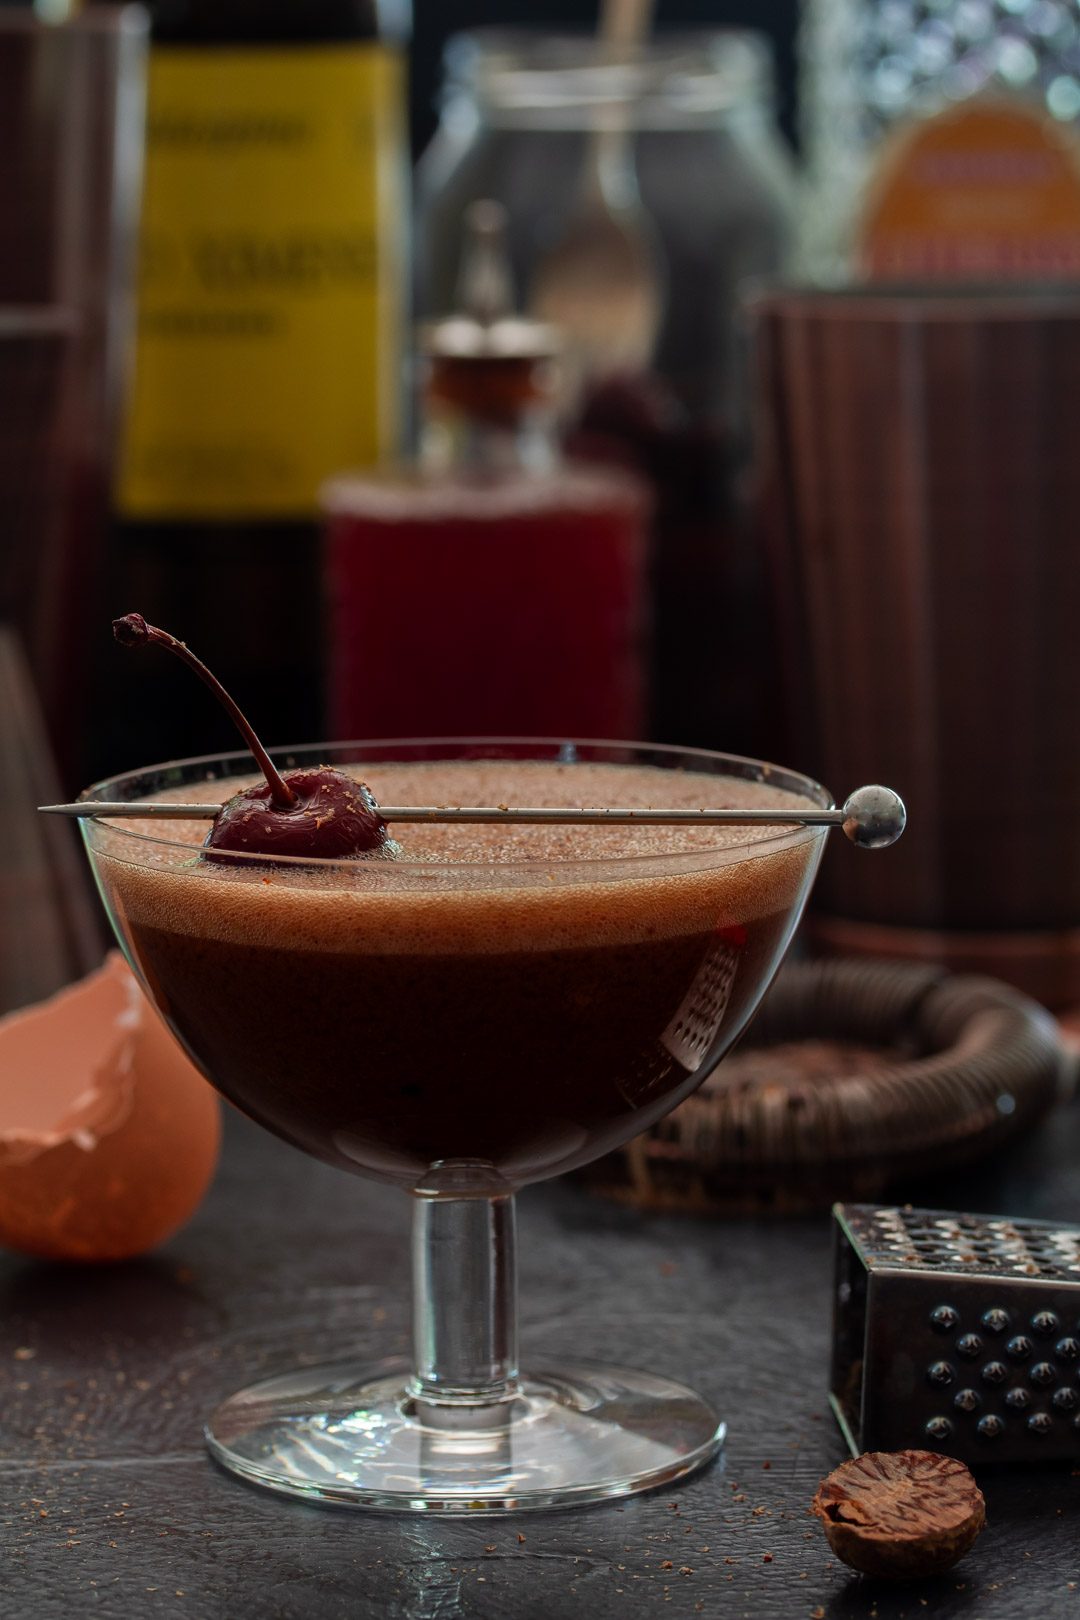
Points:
x=270 y=313
x=939 y=138
x=492 y=587
x=712 y=190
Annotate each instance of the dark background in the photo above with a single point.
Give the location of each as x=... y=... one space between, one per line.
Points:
x=435 y=20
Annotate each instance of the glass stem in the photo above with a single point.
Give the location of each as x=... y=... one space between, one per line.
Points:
x=464 y=1300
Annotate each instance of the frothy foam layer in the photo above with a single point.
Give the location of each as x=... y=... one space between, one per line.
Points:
x=468 y=889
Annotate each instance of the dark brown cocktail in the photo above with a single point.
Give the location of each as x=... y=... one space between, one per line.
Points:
x=386 y=1020
x=471 y=1009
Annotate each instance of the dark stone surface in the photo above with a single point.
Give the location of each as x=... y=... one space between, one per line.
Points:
x=109 y=1507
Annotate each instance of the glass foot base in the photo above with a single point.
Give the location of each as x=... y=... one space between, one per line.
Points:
x=355 y=1436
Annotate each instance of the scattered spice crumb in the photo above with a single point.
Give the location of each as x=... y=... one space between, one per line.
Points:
x=667 y=1564
x=490 y=1547
x=766 y=1558
x=818 y=1613
x=766 y=1466
x=521 y=1538
x=25 y=1353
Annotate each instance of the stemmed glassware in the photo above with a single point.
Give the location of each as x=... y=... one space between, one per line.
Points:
x=461 y=1025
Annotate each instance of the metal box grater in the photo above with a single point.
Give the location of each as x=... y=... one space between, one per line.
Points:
x=956 y=1333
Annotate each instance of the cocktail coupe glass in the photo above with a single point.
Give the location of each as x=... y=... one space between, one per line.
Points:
x=483 y=1024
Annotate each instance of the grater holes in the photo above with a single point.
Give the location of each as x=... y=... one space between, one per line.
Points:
x=930 y=1241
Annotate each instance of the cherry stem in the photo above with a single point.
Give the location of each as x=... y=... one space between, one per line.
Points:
x=133 y=631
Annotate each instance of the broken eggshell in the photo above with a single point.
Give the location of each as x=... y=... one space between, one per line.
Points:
x=108 y=1133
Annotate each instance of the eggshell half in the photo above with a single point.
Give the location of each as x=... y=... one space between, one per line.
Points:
x=108 y=1134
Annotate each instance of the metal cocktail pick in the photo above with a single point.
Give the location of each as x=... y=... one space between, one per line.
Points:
x=871 y=817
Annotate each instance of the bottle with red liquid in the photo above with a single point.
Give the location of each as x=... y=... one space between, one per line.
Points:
x=491 y=588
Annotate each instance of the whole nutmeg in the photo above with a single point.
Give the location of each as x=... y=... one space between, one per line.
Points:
x=900 y=1514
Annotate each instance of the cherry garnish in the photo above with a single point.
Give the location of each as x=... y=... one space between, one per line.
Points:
x=332 y=816
x=316 y=812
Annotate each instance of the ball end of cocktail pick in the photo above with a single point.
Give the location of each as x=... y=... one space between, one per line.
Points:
x=874 y=817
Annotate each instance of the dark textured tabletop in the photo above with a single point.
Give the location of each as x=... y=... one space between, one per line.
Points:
x=110 y=1507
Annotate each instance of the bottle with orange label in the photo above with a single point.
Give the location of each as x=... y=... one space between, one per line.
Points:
x=942 y=139
x=268 y=351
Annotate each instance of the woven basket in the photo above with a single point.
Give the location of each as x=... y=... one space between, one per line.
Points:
x=854 y=1076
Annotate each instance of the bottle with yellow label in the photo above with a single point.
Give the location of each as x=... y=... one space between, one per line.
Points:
x=941 y=139
x=271 y=285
